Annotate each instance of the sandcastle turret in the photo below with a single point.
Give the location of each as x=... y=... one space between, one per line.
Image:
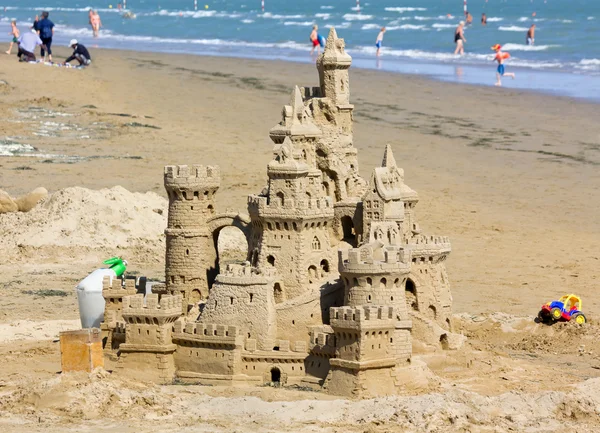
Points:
x=294 y=219
x=333 y=65
x=190 y=251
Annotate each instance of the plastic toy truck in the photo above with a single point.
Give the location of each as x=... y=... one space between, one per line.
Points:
x=567 y=308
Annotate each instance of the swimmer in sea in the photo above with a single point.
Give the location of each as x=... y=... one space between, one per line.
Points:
x=14 y=32
x=314 y=38
x=459 y=38
x=95 y=22
x=469 y=18
x=483 y=19
x=530 y=40
x=379 y=41
x=500 y=58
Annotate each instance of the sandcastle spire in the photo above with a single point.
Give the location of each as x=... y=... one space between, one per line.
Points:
x=297 y=105
x=388 y=157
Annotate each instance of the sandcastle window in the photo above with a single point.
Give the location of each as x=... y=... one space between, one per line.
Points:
x=281 y=198
x=276 y=348
x=210 y=208
x=277 y=226
x=411 y=295
x=192 y=207
x=251 y=296
x=369 y=298
x=187 y=252
x=369 y=281
x=196 y=194
x=316 y=244
x=285 y=226
x=382 y=283
x=432 y=312
x=269 y=226
x=325 y=266
x=231 y=300
x=271 y=260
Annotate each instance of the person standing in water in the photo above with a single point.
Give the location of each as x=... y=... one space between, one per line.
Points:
x=459 y=38
x=483 y=19
x=500 y=58
x=95 y=22
x=46 y=31
x=314 y=38
x=14 y=32
x=379 y=41
x=530 y=40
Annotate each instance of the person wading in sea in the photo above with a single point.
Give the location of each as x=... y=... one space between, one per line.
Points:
x=459 y=38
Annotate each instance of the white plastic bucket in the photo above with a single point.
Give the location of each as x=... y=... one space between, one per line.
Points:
x=90 y=299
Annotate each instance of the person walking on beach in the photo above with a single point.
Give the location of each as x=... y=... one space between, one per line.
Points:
x=314 y=38
x=379 y=41
x=14 y=32
x=483 y=19
x=500 y=58
x=80 y=53
x=530 y=40
x=46 y=31
x=95 y=22
x=27 y=43
x=459 y=38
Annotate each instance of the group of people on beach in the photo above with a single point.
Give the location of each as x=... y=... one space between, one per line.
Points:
x=41 y=34
x=459 y=40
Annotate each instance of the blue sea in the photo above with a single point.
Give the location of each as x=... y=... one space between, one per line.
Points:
x=564 y=60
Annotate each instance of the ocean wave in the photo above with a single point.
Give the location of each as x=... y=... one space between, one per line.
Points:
x=591 y=18
x=327 y=7
x=494 y=19
x=370 y=27
x=344 y=25
x=590 y=62
x=247 y=21
x=513 y=29
x=523 y=47
x=443 y=26
x=281 y=17
x=402 y=10
x=59 y=9
x=420 y=55
x=323 y=16
x=357 y=17
x=15 y=149
x=298 y=23
x=185 y=14
x=412 y=27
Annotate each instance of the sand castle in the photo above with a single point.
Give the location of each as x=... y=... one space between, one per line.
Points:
x=338 y=282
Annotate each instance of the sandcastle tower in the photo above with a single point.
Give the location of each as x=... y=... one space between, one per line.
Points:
x=242 y=297
x=190 y=254
x=148 y=329
x=292 y=224
x=365 y=354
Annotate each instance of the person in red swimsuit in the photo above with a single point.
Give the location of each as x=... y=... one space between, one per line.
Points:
x=314 y=38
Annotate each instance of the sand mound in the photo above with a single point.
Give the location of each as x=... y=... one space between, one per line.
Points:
x=79 y=217
x=83 y=398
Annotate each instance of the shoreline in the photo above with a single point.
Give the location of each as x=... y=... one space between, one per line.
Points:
x=552 y=82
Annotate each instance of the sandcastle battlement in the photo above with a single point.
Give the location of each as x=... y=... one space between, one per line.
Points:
x=260 y=204
x=245 y=275
x=133 y=306
x=206 y=330
x=364 y=261
x=192 y=177
x=363 y=317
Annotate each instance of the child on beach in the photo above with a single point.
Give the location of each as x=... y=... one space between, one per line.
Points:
x=500 y=58
x=314 y=38
x=379 y=41
x=14 y=32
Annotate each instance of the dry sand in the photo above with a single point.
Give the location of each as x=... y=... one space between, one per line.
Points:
x=511 y=177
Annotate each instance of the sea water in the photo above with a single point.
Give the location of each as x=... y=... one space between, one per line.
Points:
x=420 y=34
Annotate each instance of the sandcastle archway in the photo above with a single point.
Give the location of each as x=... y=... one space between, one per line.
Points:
x=236 y=221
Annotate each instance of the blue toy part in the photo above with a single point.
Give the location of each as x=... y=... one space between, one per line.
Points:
x=321 y=40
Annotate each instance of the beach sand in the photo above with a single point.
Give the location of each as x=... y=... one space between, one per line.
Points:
x=511 y=177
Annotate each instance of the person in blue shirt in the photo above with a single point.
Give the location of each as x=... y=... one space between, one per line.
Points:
x=45 y=29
